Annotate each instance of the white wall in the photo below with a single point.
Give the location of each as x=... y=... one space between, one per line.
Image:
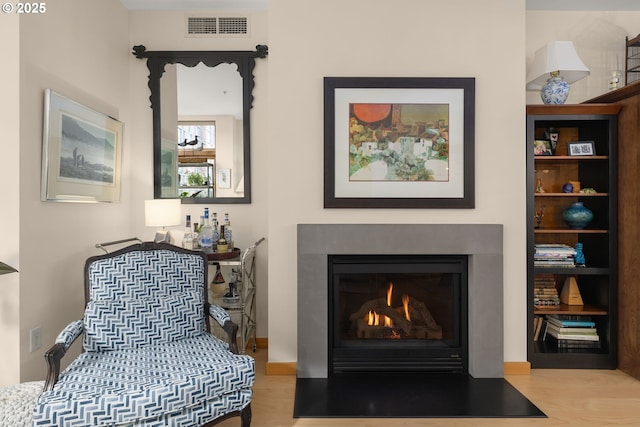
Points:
x=81 y=50
x=458 y=38
x=10 y=194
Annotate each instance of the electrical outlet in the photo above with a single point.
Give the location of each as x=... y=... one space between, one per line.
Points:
x=35 y=338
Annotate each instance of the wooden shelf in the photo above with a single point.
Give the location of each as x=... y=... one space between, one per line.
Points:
x=572 y=158
x=572 y=271
x=597 y=283
x=571 y=194
x=568 y=231
x=573 y=310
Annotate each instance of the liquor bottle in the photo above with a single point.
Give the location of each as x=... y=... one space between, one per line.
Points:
x=228 y=232
x=196 y=236
x=187 y=238
x=222 y=246
x=206 y=234
x=216 y=228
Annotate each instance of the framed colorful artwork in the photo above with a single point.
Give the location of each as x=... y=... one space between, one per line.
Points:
x=399 y=142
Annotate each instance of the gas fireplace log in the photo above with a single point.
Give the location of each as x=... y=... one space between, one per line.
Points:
x=424 y=314
x=367 y=307
x=380 y=307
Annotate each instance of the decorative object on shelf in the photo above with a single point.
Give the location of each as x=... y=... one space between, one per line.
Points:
x=555 y=66
x=232 y=296
x=576 y=186
x=538 y=217
x=577 y=216
x=542 y=147
x=552 y=134
x=581 y=148
x=588 y=190
x=162 y=213
x=195 y=179
x=614 y=80
x=539 y=187
x=6 y=269
x=579 y=256
x=570 y=294
x=218 y=284
x=567 y=188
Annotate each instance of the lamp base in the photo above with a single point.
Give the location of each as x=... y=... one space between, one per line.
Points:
x=555 y=91
x=162 y=236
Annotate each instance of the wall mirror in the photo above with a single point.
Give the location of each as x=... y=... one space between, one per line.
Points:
x=201 y=102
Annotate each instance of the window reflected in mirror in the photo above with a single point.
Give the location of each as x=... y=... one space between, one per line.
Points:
x=196 y=159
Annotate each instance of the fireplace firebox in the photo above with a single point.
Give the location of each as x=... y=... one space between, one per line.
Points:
x=397 y=313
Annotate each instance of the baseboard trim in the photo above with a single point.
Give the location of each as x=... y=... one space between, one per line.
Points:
x=291 y=368
x=517 y=368
x=281 y=368
x=262 y=342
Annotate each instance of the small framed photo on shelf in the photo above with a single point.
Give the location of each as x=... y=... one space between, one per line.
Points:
x=542 y=147
x=581 y=148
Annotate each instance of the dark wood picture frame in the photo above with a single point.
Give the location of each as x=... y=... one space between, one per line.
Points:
x=420 y=189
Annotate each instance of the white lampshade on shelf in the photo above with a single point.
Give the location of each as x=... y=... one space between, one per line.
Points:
x=555 y=66
x=162 y=213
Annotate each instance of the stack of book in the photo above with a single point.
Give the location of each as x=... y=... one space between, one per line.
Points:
x=571 y=332
x=545 y=294
x=554 y=255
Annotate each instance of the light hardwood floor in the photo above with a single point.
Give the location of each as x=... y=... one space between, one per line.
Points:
x=585 y=398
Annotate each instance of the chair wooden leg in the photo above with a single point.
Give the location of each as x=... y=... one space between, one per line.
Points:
x=245 y=416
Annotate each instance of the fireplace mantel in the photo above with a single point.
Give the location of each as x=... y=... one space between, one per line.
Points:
x=482 y=242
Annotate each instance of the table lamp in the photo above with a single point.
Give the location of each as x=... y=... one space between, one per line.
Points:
x=162 y=213
x=555 y=66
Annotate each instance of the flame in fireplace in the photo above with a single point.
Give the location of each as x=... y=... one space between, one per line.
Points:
x=373 y=319
x=389 y=293
x=405 y=303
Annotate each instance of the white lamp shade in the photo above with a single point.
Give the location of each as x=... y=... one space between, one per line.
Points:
x=162 y=212
x=560 y=56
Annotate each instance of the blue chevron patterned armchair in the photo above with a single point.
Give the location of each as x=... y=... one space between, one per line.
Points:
x=148 y=358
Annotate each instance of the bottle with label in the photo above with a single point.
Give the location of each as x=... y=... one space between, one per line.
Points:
x=222 y=246
x=206 y=234
x=196 y=236
x=228 y=232
x=216 y=229
x=187 y=238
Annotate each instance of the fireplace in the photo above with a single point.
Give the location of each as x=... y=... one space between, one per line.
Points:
x=479 y=391
x=481 y=244
x=397 y=313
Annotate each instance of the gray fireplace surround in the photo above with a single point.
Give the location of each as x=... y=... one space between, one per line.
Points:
x=481 y=242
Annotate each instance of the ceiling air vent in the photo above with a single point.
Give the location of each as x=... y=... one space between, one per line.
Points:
x=205 y=26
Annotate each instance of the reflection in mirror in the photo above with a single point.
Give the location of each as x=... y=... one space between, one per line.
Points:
x=201 y=124
x=210 y=130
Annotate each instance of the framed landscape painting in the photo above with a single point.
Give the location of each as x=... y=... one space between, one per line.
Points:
x=82 y=151
x=399 y=142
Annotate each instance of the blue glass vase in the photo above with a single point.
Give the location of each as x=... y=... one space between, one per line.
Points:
x=577 y=216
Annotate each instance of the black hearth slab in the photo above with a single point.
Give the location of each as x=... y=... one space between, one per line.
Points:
x=428 y=395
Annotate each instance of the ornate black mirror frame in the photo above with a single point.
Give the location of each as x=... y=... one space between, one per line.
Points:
x=245 y=60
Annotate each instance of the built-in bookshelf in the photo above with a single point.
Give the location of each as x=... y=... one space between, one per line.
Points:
x=572 y=274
